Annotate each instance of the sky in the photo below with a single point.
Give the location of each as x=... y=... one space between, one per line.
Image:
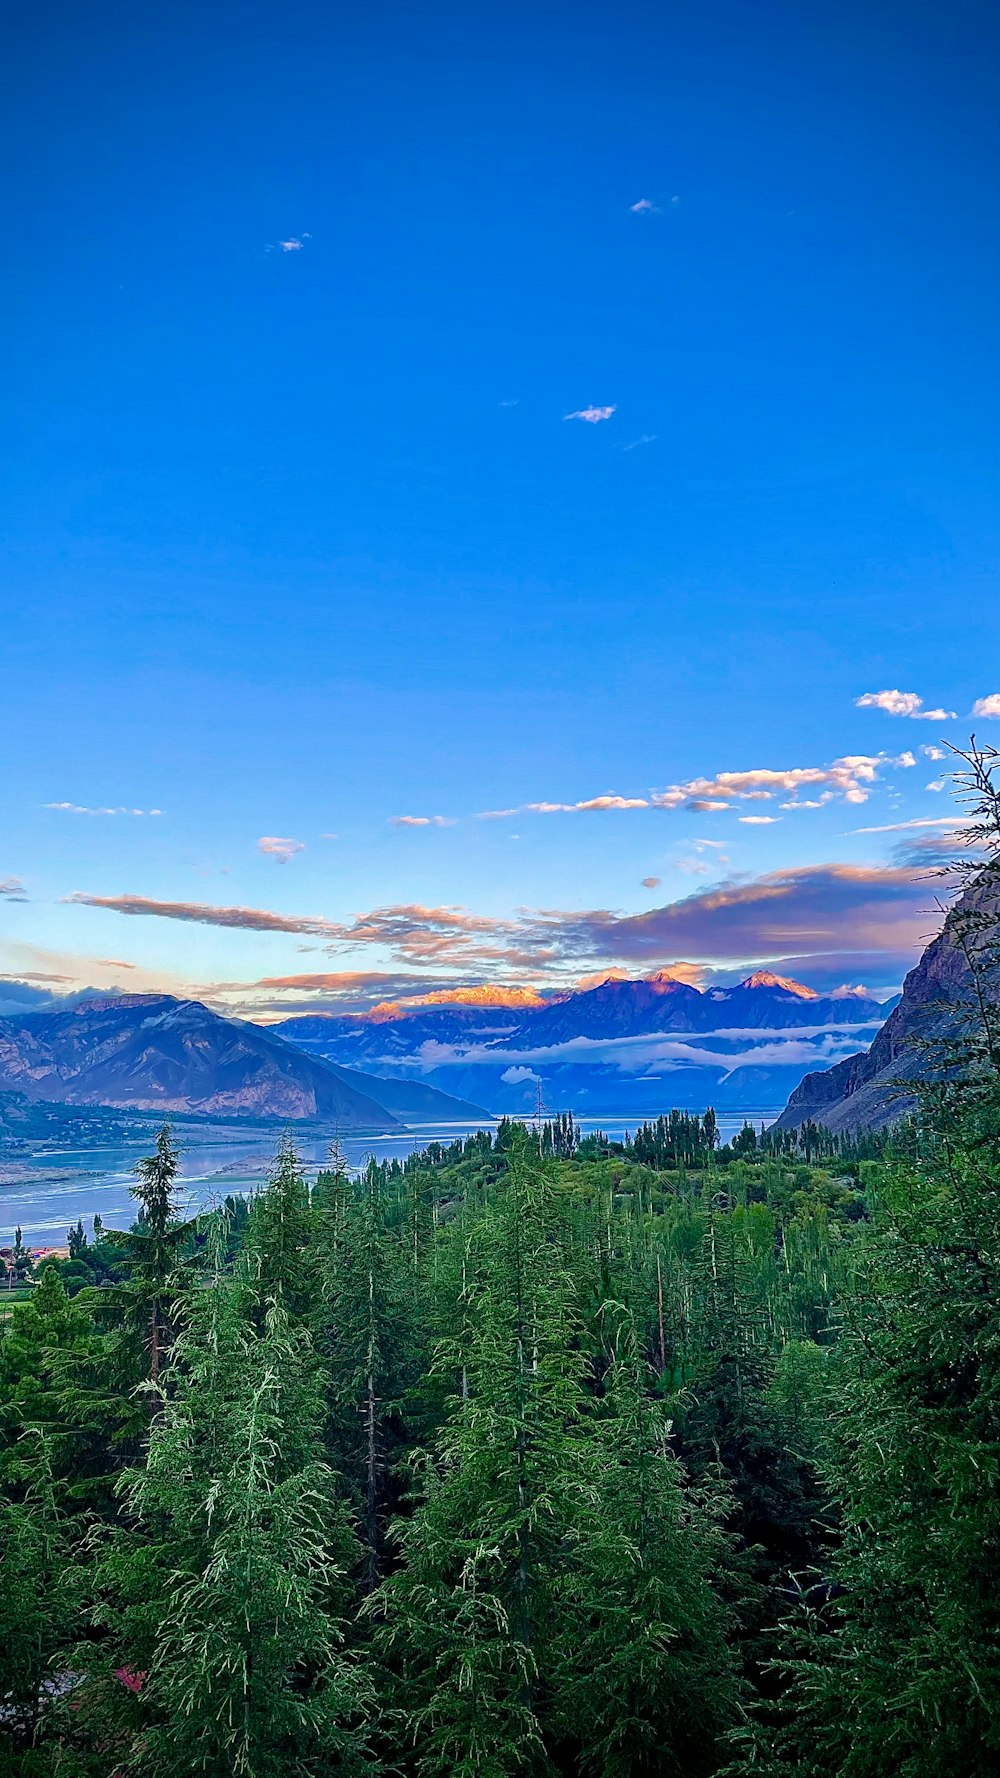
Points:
x=491 y=493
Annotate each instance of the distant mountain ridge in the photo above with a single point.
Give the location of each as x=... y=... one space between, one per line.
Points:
x=634 y=1046
x=157 y=1053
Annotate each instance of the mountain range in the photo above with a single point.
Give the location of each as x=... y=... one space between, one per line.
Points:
x=631 y=1048
x=154 y=1052
x=622 y=1048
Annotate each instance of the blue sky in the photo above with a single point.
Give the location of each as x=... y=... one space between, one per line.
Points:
x=298 y=538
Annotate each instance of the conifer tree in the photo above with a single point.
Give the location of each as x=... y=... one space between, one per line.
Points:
x=362 y=1341
x=642 y=1679
x=152 y=1252
x=226 y=1601
x=468 y=1620
x=41 y=1596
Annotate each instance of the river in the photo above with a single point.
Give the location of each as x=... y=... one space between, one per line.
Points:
x=43 y=1193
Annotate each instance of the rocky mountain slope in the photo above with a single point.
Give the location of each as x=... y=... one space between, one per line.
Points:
x=633 y=1048
x=869 y=1089
x=153 y=1052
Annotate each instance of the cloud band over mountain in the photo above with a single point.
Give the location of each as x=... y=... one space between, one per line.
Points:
x=886 y=912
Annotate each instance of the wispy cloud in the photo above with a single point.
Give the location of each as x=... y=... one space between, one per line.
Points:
x=12 y=889
x=294 y=244
x=634 y=443
x=203 y=914
x=592 y=415
x=988 y=706
x=645 y=207
x=820 y=908
x=422 y=821
x=759 y=820
x=809 y=1044
x=597 y=803
x=817 y=907
x=591 y=804
x=905 y=826
x=81 y=809
x=903 y=703
x=281 y=849
x=850 y=777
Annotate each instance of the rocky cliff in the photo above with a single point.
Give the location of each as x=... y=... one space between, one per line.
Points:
x=870 y=1089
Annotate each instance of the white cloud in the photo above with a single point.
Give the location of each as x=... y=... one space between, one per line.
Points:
x=294 y=243
x=904 y=703
x=421 y=821
x=850 y=777
x=281 y=849
x=758 y=820
x=634 y=443
x=905 y=826
x=809 y=1043
x=12 y=889
x=935 y=784
x=81 y=809
x=608 y=801
x=988 y=706
x=591 y=414
x=646 y=206
x=514 y=1076
x=933 y=752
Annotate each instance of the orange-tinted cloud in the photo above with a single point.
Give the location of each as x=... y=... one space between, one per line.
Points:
x=850 y=777
x=819 y=908
x=203 y=914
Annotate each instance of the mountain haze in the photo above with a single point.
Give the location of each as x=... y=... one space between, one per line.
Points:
x=633 y=1047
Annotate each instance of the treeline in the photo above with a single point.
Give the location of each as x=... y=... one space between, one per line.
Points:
x=520 y=1457
x=677 y=1139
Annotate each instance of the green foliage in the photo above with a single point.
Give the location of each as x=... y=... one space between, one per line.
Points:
x=227 y=1590
x=529 y=1454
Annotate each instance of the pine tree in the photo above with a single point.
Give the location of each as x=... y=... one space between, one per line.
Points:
x=226 y=1601
x=641 y=1675
x=152 y=1253
x=468 y=1620
x=42 y=1586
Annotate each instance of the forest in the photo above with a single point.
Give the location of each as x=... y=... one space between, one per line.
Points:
x=530 y=1455
x=517 y=1457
